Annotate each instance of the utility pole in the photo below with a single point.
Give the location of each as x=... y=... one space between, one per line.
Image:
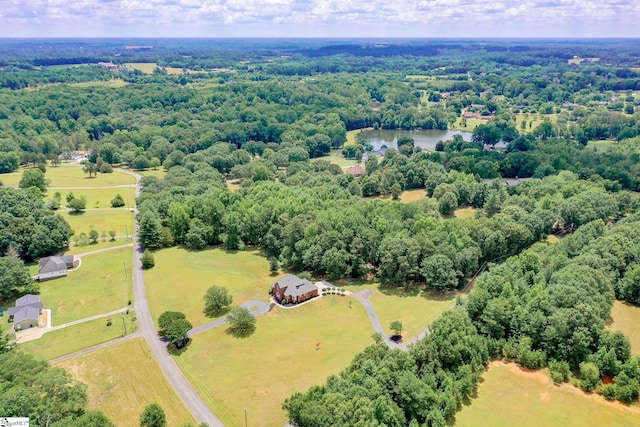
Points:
x=245 y=417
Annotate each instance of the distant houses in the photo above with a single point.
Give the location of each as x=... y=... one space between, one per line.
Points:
x=52 y=267
x=26 y=313
x=291 y=289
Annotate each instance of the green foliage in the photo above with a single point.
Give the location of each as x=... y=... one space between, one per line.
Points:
x=77 y=204
x=93 y=236
x=117 y=201
x=241 y=322
x=15 y=280
x=147 y=259
x=396 y=327
x=216 y=301
x=33 y=178
x=153 y=416
x=589 y=376
x=150 y=230
x=174 y=326
x=560 y=371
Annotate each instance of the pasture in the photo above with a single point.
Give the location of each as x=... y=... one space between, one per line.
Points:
x=100 y=285
x=626 y=319
x=511 y=396
x=67 y=176
x=99 y=197
x=74 y=338
x=291 y=350
x=124 y=378
x=180 y=279
x=119 y=220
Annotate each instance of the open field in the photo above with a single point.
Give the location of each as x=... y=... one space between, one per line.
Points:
x=70 y=176
x=158 y=173
x=510 y=396
x=74 y=338
x=602 y=145
x=123 y=379
x=553 y=239
x=470 y=124
x=107 y=243
x=342 y=162
x=257 y=373
x=626 y=319
x=464 y=213
x=99 y=197
x=233 y=185
x=119 y=220
x=101 y=284
x=148 y=68
x=351 y=135
x=533 y=120
x=244 y=273
x=114 y=83
x=407 y=196
x=415 y=308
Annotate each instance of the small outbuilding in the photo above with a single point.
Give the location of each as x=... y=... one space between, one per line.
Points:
x=291 y=289
x=355 y=170
x=52 y=267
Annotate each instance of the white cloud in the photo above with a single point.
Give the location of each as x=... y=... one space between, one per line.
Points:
x=321 y=17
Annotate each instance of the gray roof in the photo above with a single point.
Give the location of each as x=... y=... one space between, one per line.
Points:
x=26 y=313
x=52 y=264
x=14 y=310
x=27 y=300
x=295 y=285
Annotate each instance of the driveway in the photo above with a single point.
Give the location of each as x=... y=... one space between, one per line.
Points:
x=255 y=307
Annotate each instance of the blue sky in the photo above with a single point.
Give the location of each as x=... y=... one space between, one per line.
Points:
x=319 y=18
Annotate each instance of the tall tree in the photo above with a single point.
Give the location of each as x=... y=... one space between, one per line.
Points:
x=33 y=178
x=216 y=301
x=153 y=416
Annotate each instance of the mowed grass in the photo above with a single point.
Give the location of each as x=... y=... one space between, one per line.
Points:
x=416 y=308
x=74 y=338
x=145 y=67
x=119 y=220
x=351 y=135
x=464 y=213
x=511 y=397
x=602 y=145
x=113 y=83
x=76 y=250
x=282 y=357
x=67 y=176
x=123 y=379
x=158 y=173
x=180 y=279
x=100 y=285
x=98 y=197
x=626 y=319
x=470 y=124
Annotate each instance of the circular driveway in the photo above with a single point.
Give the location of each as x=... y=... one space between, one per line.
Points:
x=257 y=307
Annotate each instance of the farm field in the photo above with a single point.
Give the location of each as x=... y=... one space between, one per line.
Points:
x=124 y=378
x=259 y=372
x=626 y=319
x=119 y=220
x=100 y=285
x=415 y=308
x=510 y=396
x=244 y=273
x=74 y=338
x=99 y=197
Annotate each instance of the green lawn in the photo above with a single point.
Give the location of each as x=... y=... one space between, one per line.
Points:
x=158 y=173
x=101 y=284
x=602 y=145
x=145 y=67
x=71 y=176
x=74 y=338
x=470 y=126
x=351 y=135
x=99 y=197
x=75 y=250
x=416 y=309
x=180 y=278
x=626 y=318
x=119 y=220
x=259 y=372
x=123 y=379
x=464 y=213
x=113 y=83
x=511 y=397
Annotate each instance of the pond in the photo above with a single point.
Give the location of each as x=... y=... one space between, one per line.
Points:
x=426 y=139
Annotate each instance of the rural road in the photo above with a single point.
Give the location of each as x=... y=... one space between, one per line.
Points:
x=172 y=372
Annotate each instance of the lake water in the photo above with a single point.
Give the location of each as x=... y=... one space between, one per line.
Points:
x=426 y=139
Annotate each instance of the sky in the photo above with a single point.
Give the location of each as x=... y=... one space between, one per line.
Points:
x=320 y=18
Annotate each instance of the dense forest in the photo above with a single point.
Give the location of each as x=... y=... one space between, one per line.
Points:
x=560 y=118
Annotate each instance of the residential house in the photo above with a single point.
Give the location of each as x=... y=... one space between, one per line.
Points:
x=52 y=267
x=26 y=312
x=291 y=289
x=356 y=170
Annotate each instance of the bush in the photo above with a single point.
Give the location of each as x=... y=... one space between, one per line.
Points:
x=589 y=376
x=147 y=260
x=559 y=371
x=609 y=391
x=117 y=201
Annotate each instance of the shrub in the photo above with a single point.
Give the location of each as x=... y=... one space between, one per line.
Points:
x=117 y=201
x=147 y=260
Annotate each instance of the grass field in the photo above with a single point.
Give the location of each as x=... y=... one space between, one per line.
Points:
x=74 y=338
x=510 y=397
x=233 y=185
x=470 y=126
x=101 y=284
x=602 y=145
x=626 y=319
x=257 y=373
x=123 y=379
x=464 y=213
x=415 y=308
x=119 y=220
x=553 y=239
x=533 y=120
x=70 y=176
x=114 y=83
x=245 y=274
x=158 y=173
x=351 y=135
x=75 y=250
x=145 y=67
x=407 y=196
x=99 y=197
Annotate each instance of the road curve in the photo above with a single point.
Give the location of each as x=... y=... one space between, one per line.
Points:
x=172 y=372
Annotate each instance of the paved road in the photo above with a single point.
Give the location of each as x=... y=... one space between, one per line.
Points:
x=95 y=347
x=255 y=307
x=97 y=251
x=363 y=298
x=88 y=319
x=172 y=372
